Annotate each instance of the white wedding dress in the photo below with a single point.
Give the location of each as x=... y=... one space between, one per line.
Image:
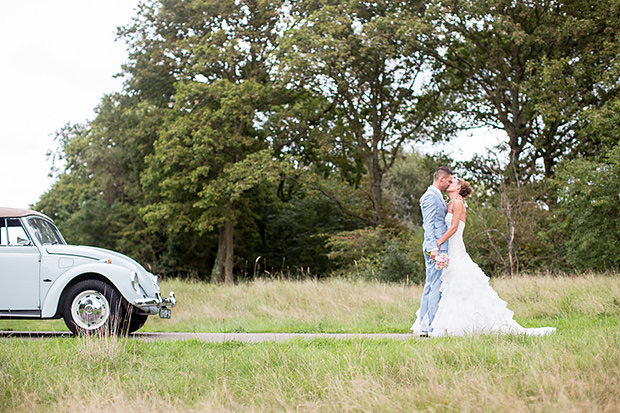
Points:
x=468 y=304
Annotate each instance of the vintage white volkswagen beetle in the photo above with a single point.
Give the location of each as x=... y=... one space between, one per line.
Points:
x=93 y=289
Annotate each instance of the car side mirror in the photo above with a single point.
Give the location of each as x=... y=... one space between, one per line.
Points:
x=23 y=242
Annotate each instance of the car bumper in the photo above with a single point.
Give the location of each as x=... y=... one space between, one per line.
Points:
x=156 y=302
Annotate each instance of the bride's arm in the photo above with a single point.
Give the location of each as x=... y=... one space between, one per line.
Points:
x=457 y=212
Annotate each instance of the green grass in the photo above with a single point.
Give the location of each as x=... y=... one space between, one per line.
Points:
x=577 y=369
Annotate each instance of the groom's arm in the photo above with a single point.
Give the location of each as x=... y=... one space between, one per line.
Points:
x=430 y=211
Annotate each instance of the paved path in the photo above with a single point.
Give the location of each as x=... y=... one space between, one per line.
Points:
x=216 y=337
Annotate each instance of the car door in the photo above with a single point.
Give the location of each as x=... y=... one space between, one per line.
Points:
x=19 y=268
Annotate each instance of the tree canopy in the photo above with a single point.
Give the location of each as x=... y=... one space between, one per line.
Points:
x=256 y=137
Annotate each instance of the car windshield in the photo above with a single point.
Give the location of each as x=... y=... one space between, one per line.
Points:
x=45 y=232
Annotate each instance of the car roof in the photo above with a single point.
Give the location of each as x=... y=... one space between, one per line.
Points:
x=18 y=213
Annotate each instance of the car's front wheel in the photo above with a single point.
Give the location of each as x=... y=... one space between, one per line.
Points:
x=93 y=307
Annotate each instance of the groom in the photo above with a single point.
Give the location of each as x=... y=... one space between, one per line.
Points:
x=434 y=223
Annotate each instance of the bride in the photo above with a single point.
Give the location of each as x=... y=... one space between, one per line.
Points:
x=468 y=304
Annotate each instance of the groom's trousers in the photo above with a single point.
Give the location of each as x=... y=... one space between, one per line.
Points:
x=430 y=295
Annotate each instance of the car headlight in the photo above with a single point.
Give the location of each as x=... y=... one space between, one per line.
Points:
x=135 y=282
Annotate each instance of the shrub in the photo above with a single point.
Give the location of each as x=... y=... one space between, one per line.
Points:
x=378 y=254
x=586 y=214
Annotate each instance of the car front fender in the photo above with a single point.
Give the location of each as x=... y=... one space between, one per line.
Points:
x=118 y=276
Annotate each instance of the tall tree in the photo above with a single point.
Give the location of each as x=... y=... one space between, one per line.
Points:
x=97 y=195
x=531 y=69
x=528 y=68
x=352 y=54
x=211 y=150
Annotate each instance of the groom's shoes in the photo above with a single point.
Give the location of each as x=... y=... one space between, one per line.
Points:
x=423 y=334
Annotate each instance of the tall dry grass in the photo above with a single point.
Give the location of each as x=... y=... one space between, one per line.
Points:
x=333 y=305
x=577 y=369
x=338 y=305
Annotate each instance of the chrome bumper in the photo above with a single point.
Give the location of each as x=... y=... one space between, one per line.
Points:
x=157 y=301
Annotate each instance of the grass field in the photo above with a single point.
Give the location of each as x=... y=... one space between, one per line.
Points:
x=577 y=369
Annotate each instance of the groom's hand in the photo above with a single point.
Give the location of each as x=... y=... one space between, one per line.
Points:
x=434 y=254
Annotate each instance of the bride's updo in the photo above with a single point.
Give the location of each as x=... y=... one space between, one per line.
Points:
x=466 y=189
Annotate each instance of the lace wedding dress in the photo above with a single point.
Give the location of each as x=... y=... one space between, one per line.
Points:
x=468 y=304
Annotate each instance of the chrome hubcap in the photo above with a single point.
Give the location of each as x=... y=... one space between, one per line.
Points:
x=90 y=309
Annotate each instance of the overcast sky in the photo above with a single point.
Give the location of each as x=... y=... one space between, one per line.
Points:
x=58 y=60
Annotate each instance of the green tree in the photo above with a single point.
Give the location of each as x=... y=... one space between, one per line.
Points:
x=212 y=149
x=97 y=195
x=530 y=69
x=587 y=211
x=352 y=54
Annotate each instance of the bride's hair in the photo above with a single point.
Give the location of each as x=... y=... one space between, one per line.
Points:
x=466 y=188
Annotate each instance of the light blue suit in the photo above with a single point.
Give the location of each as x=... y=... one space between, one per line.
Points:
x=434 y=210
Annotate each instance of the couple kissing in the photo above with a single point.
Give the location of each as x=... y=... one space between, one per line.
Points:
x=457 y=299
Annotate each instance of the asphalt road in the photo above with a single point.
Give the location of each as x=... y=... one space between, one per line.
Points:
x=216 y=337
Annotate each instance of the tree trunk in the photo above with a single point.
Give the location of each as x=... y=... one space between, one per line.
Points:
x=225 y=254
x=512 y=209
x=376 y=186
x=228 y=252
x=377 y=193
x=511 y=245
x=218 y=268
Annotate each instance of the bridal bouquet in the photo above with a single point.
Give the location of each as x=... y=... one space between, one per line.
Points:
x=442 y=261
